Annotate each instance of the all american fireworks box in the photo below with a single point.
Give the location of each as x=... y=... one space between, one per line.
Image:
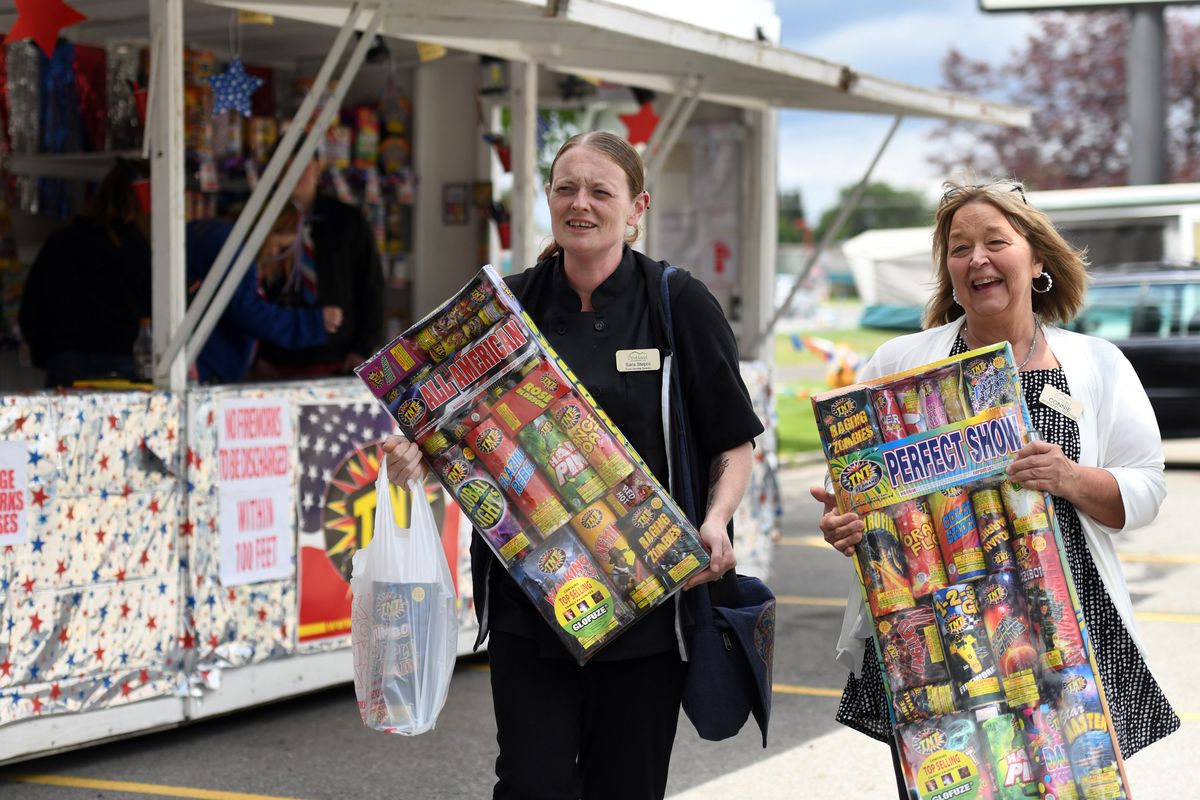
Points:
x=992 y=685
x=557 y=492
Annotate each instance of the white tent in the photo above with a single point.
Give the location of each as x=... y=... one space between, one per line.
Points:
x=892 y=266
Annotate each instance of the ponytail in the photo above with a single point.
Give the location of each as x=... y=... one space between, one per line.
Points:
x=549 y=251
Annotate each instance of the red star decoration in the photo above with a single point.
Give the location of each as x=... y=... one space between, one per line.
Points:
x=28 y=584
x=152 y=624
x=126 y=492
x=41 y=20
x=55 y=692
x=190 y=456
x=37 y=705
x=61 y=568
x=125 y=609
x=19 y=425
x=40 y=497
x=154 y=506
x=187 y=641
x=145 y=559
x=170 y=434
x=210 y=418
x=144 y=676
x=213 y=641
x=71 y=512
x=262 y=615
x=98 y=653
x=63 y=636
x=125 y=689
x=100 y=534
x=5 y=667
x=104 y=462
x=186 y=527
x=283 y=629
x=120 y=576
x=232 y=596
x=36 y=623
x=112 y=421
x=642 y=124
x=62 y=445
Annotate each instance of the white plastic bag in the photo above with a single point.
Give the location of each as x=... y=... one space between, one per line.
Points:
x=404 y=629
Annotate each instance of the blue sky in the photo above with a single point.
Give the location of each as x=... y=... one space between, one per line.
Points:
x=900 y=39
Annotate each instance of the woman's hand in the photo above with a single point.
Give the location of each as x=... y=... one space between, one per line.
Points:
x=333 y=318
x=720 y=553
x=842 y=531
x=1044 y=467
x=403 y=460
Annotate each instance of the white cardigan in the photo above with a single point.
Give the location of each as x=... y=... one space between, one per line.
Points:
x=1117 y=431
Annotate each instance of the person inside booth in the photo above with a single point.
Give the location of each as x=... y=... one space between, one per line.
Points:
x=89 y=286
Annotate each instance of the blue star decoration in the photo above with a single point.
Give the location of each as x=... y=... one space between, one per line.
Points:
x=232 y=89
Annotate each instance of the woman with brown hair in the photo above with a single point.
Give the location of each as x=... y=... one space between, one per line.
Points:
x=608 y=727
x=1005 y=274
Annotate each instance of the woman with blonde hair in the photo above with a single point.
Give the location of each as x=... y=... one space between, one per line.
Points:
x=1003 y=273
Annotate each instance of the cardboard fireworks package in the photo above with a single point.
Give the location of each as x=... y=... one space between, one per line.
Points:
x=992 y=685
x=557 y=492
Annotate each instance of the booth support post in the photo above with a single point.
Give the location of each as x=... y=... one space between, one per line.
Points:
x=760 y=222
x=167 y=190
x=523 y=94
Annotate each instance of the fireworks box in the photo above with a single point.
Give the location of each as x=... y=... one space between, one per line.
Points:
x=992 y=685
x=557 y=492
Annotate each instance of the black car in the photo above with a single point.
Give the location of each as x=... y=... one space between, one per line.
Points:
x=1153 y=315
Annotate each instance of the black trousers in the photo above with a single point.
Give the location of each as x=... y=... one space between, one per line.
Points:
x=597 y=732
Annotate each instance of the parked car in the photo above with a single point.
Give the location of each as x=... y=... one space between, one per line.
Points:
x=1153 y=314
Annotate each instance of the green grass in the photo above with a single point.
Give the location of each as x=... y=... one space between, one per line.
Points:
x=797 y=426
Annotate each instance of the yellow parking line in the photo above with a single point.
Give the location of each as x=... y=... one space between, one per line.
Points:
x=136 y=788
x=804 y=541
x=815 y=691
x=1159 y=558
x=1167 y=616
x=794 y=600
x=1188 y=716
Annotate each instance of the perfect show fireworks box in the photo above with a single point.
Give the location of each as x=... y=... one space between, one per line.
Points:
x=993 y=690
x=558 y=493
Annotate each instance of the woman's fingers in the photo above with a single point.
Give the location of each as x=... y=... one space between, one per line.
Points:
x=842 y=531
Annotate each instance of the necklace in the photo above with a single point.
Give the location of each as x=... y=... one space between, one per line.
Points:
x=1037 y=327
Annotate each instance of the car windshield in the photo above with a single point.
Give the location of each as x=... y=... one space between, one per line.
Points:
x=1117 y=311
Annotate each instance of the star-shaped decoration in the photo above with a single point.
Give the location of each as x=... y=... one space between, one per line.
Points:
x=232 y=89
x=642 y=124
x=41 y=20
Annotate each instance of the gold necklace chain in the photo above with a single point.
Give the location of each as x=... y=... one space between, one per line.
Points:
x=1037 y=327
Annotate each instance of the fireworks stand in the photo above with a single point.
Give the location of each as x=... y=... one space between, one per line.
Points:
x=173 y=551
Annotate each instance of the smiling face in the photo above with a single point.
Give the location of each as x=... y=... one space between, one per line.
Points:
x=590 y=203
x=991 y=266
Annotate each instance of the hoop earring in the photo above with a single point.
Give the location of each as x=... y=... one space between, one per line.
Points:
x=1049 y=282
x=954 y=297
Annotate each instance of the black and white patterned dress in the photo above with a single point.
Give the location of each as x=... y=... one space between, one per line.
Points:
x=1140 y=712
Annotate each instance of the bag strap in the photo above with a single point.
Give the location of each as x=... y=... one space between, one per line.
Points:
x=679 y=442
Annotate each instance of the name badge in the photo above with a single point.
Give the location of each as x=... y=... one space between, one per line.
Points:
x=647 y=360
x=1061 y=402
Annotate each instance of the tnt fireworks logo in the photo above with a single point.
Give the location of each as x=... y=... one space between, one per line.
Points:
x=550 y=383
x=410 y=412
x=844 y=407
x=996 y=593
x=488 y=440
x=569 y=416
x=929 y=740
x=456 y=471
x=642 y=517
x=551 y=561
x=591 y=518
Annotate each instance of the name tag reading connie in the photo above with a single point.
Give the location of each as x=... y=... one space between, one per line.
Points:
x=647 y=360
x=1061 y=402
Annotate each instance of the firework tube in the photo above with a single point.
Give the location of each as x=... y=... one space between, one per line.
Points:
x=968 y=658
x=932 y=407
x=1085 y=729
x=910 y=407
x=911 y=650
x=664 y=540
x=954 y=524
x=992 y=525
x=882 y=561
x=1049 y=600
x=470 y=330
x=942 y=757
x=601 y=450
x=846 y=423
x=530 y=397
x=1048 y=749
x=989 y=381
x=1011 y=636
x=631 y=493
x=482 y=500
x=564 y=466
x=1011 y=764
x=597 y=528
x=949 y=381
x=518 y=476
x=887 y=412
x=922 y=556
x=923 y=702
x=432 y=337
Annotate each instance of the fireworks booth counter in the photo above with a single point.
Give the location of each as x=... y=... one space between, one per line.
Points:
x=173 y=551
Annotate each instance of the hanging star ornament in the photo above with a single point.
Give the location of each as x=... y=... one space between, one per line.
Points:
x=642 y=124
x=41 y=20
x=232 y=89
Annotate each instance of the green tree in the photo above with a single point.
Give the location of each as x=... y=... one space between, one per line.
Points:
x=792 y=227
x=881 y=206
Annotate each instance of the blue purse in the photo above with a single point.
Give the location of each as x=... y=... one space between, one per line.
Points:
x=732 y=645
